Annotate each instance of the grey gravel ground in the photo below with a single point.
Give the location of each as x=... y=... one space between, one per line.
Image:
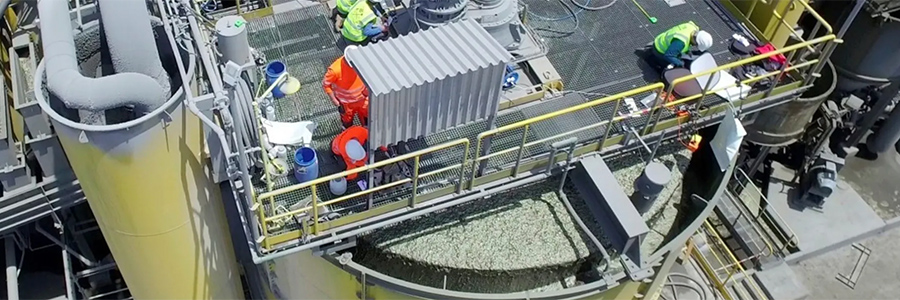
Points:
x=522 y=239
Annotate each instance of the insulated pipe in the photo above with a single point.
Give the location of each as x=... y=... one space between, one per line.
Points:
x=74 y=89
x=130 y=41
x=887 y=135
x=12 y=271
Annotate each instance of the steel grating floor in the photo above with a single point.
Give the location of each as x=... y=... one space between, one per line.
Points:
x=303 y=39
x=602 y=51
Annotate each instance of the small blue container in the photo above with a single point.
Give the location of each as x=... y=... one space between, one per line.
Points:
x=274 y=69
x=306 y=164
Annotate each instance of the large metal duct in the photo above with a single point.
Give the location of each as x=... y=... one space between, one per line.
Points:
x=128 y=40
x=887 y=135
x=145 y=179
x=430 y=81
x=869 y=54
x=499 y=17
x=430 y=13
x=74 y=89
x=782 y=125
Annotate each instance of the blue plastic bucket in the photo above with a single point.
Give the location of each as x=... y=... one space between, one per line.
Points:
x=306 y=164
x=274 y=69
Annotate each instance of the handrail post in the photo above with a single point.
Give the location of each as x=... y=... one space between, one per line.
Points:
x=787 y=8
x=752 y=8
x=653 y=110
x=263 y=223
x=462 y=168
x=476 y=161
x=521 y=149
x=780 y=73
x=315 y=208
x=609 y=125
x=705 y=90
x=663 y=106
x=415 y=182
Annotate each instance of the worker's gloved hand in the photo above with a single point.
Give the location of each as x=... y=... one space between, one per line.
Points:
x=670 y=66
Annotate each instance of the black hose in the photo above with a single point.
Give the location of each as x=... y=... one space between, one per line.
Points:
x=593 y=8
x=574 y=19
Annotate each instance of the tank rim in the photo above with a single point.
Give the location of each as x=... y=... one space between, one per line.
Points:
x=418 y=290
x=38 y=87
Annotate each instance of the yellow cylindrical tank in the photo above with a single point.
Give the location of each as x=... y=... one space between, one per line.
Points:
x=153 y=198
x=763 y=16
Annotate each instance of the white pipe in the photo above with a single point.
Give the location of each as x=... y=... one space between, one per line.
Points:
x=130 y=40
x=74 y=89
x=12 y=277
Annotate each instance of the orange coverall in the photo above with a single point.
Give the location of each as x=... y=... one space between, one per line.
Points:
x=347 y=91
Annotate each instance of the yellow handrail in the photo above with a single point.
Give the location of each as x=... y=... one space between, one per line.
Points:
x=364 y=168
x=316 y=206
x=816 y=15
x=657 y=86
x=752 y=59
x=791 y=237
x=710 y=273
x=745 y=82
x=734 y=262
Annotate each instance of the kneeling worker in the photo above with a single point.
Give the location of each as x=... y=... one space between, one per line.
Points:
x=669 y=46
x=341 y=8
x=347 y=91
x=362 y=25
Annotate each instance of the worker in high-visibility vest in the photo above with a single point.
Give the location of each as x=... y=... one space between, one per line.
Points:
x=341 y=8
x=347 y=92
x=362 y=25
x=670 y=45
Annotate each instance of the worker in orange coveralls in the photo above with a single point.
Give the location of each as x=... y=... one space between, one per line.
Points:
x=347 y=92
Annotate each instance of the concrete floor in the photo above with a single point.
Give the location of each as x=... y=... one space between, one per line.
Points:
x=878 y=279
x=875 y=182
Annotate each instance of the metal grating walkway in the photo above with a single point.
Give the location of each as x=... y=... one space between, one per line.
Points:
x=303 y=39
x=600 y=55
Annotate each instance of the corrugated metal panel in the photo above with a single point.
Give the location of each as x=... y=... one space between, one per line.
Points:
x=430 y=81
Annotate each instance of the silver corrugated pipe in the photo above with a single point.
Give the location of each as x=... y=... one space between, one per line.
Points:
x=130 y=40
x=92 y=94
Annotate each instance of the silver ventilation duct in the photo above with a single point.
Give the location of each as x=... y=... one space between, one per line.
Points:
x=77 y=91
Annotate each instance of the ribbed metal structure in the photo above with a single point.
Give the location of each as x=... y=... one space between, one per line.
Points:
x=429 y=81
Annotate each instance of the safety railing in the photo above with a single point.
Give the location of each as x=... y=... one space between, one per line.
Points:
x=727 y=262
x=740 y=185
x=653 y=114
x=265 y=207
x=266 y=201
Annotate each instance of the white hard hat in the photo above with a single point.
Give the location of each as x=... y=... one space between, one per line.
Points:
x=354 y=150
x=704 y=40
x=348 y=48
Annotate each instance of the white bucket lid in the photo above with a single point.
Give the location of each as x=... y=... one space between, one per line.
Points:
x=355 y=150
